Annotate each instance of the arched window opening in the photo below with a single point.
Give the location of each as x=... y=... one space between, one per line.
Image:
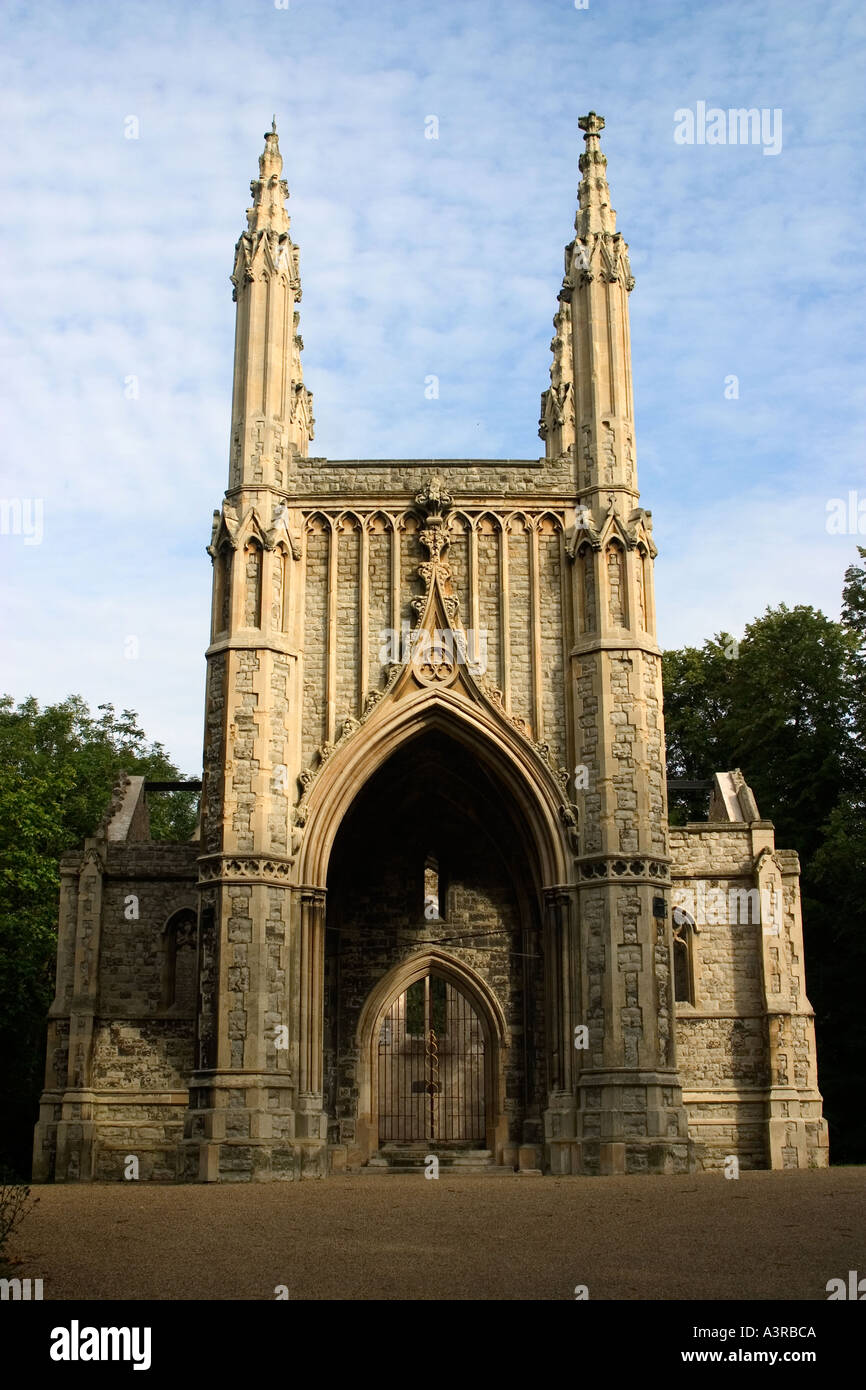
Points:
x=641 y=573
x=180 y=961
x=223 y=595
x=253 y=592
x=684 y=973
x=616 y=585
x=588 y=617
x=434 y=895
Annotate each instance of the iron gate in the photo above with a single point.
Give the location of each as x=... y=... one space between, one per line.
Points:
x=431 y=1067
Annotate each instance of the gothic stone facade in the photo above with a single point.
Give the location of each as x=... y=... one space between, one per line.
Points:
x=433 y=903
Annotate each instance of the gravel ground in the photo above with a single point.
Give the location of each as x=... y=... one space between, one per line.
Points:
x=766 y=1235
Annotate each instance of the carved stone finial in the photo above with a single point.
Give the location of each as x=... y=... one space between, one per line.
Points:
x=269 y=190
x=592 y=124
x=435 y=501
x=595 y=215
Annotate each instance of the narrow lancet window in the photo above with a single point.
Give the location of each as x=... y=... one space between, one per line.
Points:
x=684 y=972
x=179 y=984
x=223 y=597
x=253 y=596
x=432 y=899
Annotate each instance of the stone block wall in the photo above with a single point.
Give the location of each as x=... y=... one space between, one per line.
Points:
x=143 y=887
x=746 y=1043
x=316 y=478
x=721 y=1037
x=122 y=1091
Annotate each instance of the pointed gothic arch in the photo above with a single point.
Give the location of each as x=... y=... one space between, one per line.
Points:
x=223 y=586
x=548 y=524
x=318 y=523
x=487 y=523
x=484 y=1004
x=251 y=528
x=179 y=960
x=349 y=520
x=517 y=515
x=253 y=576
x=684 y=946
x=528 y=784
x=379 y=522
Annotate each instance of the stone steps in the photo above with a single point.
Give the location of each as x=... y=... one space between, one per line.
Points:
x=411 y=1158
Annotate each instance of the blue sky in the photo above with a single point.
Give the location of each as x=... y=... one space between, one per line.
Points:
x=418 y=257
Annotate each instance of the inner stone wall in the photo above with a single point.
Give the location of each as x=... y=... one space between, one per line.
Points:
x=142 y=888
x=142 y=1045
x=137 y=1065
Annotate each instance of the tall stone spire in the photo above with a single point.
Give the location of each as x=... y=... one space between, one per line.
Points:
x=250 y=972
x=272 y=411
x=620 y=1108
x=587 y=413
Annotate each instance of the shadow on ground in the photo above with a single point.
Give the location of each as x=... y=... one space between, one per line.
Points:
x=764 y=1236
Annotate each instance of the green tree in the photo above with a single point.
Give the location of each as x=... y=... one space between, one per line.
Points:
x=838 y=873
x=791 y=723
x=698 y=695
x=854 y=620
x=58 y=766
x=835 y=931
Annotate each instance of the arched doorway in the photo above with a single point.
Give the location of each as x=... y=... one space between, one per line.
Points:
x=434 y=967
x=451 y=1095
x=431 y=1079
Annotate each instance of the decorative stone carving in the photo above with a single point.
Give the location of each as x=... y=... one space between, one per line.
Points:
x=279 y=531
x=612 y=866
x=350 y=727
x=639 y=531
x=584 y=530
x=568 y=816
x=435 y=664
x=224 y=529
x=434 y=497
x=766 y=855
x=263 y=868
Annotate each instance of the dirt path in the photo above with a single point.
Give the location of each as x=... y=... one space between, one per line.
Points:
x=766 y=1235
